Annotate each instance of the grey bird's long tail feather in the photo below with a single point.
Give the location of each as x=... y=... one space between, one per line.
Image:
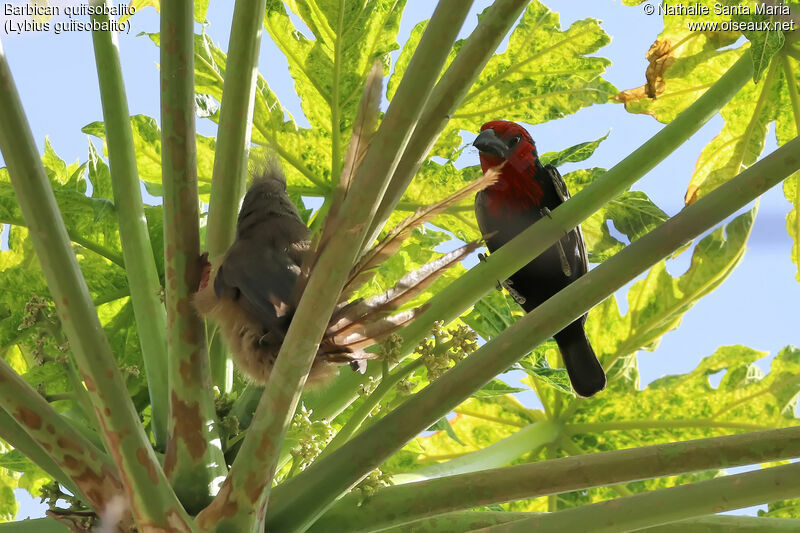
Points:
x=585 y=372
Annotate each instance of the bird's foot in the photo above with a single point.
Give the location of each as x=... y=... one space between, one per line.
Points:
x=545 y=212
x=482 y=257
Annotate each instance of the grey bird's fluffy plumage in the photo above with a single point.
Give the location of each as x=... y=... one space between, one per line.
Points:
x=251 y=292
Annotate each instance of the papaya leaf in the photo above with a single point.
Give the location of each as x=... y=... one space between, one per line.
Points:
x=147 y=143
x=496 y=387
x=330 y=68
x=8 y=501
x=544 y=74
x=444 y=425
x=786 y=128
x=657 y=302
x=782 y=509
x=685 y=62
x=687 y=406
x=741 y=140
x=573 y=154
x=305 y=153
x=764 y=43
x=479 y=422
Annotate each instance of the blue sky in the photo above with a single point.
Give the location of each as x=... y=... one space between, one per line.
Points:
x=756 y=306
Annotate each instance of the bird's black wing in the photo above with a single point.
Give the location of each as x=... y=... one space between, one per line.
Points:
x=576 y=234
x=262 y=284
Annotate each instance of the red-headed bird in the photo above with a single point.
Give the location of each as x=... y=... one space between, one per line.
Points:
x=525 y=192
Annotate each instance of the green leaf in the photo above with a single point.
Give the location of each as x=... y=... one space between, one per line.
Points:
x=544 y=74
x=684 y=63
x=782 y=509
x=479 y=423
x=305 y=153
x=444 y=425
x=537 y=366
x=147 y=143
x=632 y=214
x=329 y=70
x=573 y=154
x=8 y=502
x=657 y=302
x=764 y=43
x=786 y=128
x=493 y=314
x=496 y=388
x=741 y=140
x=15 y=461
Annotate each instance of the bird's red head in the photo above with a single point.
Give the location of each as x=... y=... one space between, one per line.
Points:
x=501 y=140
x=517 y=188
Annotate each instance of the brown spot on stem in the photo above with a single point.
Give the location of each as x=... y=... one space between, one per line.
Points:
x=51 y=429
x=170 y=456
x=69 y=445
x=254 y=486
x=221 y=507
x=89 y=383
x=71 y=463
x=144 y=459
x=28 y=418
x=189 y=426
x=100 y=487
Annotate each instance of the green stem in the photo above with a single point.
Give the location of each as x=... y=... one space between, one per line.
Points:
x=194 y=458
x=728 y=524
x=502 y=452
x=346 y=466
x=627 y=425
x=235 y=124
x=245 y=405
x=18 y=438
x=336 y=125
x=445 y=99
x=136 y=249
x=222 y=371
x=402 y=504
x=79 y=239
x=39 y=525
x=260 y=451
x=81 y=395
x=150 y=498
x=456 y=298
x=669 y=505
x=233 y=139
x=458 y=521
x=570 y=447
x=47 y=439
x=370 y=402
x=471 y=520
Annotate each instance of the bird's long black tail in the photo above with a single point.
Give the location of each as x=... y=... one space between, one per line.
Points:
x=585 y=372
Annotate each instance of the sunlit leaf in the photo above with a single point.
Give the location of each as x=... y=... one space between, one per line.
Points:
x=545 y=73
x=657 y=303
x=573 y=154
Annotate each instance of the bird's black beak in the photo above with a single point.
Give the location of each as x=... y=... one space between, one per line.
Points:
x=488 y=142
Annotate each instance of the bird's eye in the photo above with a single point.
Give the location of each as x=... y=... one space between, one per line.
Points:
x=513 y=141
